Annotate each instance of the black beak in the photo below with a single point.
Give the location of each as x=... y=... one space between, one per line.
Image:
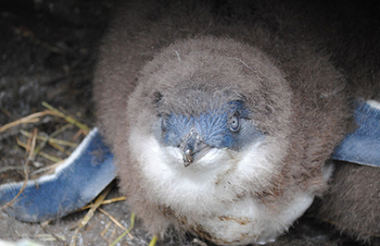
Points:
x=191 y=146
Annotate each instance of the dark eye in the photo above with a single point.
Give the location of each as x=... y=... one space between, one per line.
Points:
x=235 y=123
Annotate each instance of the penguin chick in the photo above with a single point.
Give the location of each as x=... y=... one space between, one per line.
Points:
x=219 y=128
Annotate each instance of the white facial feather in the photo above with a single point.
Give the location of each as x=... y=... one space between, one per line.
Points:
x=207 y=190
x=173 y=185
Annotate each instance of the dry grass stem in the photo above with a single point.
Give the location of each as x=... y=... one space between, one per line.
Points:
x=6 y=112
x=67 y=118
x=55 y=143
x=94 y=207
x=45 y=223
x=113 y=234
x=80 y=132
x=33 y=118
x=126 y=232
x=112 y=219
x=47 y=237
x=115 y=221
x=41 y=153
x=50 y=139
x=10 y=168
x=61 y=129
x=58 y=147
x=46 y=170
x=116 y=199
x=50 y=157
x=90 y=214
x=33 y=142
x=153 y=241
x=106 y=229
x=31 y=153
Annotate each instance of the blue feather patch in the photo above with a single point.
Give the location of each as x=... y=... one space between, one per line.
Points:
x=74 y=184
x=212 y=126
x=363 y=145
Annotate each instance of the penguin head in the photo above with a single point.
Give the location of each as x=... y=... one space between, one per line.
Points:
x=209 y=105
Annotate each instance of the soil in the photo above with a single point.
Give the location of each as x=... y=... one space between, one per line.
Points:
x=48 y=51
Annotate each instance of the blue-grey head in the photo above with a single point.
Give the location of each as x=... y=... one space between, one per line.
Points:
x=222 y=125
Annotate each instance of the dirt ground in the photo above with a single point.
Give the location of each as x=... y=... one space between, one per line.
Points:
x=48 y=51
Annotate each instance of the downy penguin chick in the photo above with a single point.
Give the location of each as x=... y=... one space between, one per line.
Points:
x=219 y=127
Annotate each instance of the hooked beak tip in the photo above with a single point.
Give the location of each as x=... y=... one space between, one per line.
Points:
x=187 y=157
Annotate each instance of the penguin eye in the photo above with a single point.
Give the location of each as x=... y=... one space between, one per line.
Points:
x=235 y=123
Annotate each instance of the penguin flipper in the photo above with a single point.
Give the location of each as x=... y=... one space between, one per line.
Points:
x=363 y=145
x=87 y=171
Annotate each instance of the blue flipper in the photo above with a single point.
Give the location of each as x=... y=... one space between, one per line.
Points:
x=74 y=184
x=363 y=145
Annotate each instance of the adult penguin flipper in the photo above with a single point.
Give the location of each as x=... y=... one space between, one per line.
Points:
x=75 y=183
x=363 y=145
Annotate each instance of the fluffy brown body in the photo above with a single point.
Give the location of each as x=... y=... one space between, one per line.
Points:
x=352 y=37
x=307 y=106
x=350 y=32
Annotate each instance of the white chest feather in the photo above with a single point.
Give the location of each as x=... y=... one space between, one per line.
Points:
x=209 y=197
